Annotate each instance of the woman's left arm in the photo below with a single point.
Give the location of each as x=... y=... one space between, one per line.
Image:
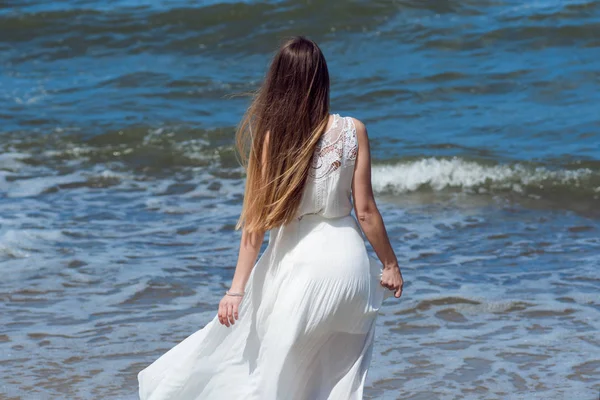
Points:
x=249 y=248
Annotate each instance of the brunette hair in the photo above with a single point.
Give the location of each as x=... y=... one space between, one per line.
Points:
x=277 y=137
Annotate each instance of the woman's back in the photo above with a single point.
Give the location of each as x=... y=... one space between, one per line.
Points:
x=328 y=188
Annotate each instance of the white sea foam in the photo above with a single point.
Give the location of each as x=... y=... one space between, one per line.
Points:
x=37 y=185
x=11 y=161
x=440 y=174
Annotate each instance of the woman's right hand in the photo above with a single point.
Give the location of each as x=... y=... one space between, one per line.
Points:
x=391 y=278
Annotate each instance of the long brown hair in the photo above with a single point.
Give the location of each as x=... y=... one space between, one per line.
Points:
x=278 y=134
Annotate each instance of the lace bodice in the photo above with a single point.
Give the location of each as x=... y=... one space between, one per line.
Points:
x=328 y=189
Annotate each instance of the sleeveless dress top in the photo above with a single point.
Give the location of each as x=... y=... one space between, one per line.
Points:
x=307 y=321
x=327 y=191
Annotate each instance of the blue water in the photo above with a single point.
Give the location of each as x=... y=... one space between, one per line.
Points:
x=119 y=187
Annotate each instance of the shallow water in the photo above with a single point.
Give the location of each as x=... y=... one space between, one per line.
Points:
x=119 y=187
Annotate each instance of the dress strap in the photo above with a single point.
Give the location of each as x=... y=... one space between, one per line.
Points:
x=350 y=141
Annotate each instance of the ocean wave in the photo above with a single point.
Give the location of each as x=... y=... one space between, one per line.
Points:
x=235 y=28
x=139 y=155
x=436 y=174
x=215 y=26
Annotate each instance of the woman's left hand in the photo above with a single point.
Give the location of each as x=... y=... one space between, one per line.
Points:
x=229 y=309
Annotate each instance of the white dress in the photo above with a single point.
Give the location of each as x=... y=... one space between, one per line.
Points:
x=306 y=324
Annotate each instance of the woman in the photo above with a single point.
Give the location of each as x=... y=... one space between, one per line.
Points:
x=299 y=323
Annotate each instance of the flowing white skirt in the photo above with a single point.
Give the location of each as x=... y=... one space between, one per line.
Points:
x=305 y=329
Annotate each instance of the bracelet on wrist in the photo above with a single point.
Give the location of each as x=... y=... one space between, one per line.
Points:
x=234 y=294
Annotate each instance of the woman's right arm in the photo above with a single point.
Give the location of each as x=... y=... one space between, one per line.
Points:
x=368 y=215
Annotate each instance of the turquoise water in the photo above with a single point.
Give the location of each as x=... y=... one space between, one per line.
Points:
x=119 y=187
